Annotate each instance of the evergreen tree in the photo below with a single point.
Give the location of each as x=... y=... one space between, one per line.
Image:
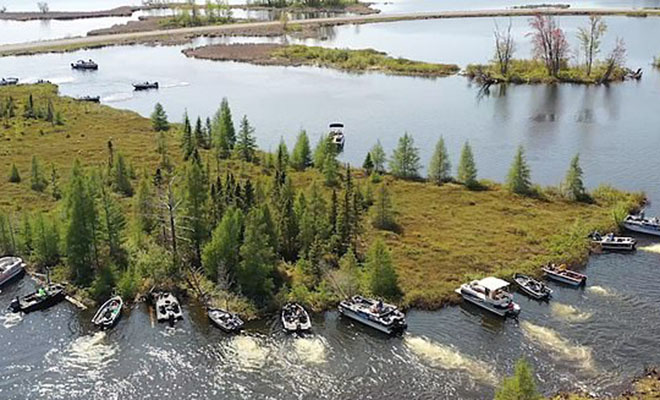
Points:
x=368 y=164
x=25 y=242
x=301 y=157
x=10 y=108
x=195 y=198
x=287 y=223
x=14 y=176
x=38 y=182
x=7 y=239
x=330 y=168
x=50 y=112
x=159 y=119
x=162 y=149
x=112 y=227
x=440 y=167
x=245 y=147
x=314 y=220
x=282 y=158
x=224 y=134
x=255 y=275
x=573 y=187
x=54 y=183
x=121 y=182
x=45 y=240
x=405 y=159
x=208 y=130
x=349 y=277
x=520 y=386
x=321 y=151
x=518 y=180
x=145 y=208
x=382 y=210
x=200 y=135
x=220 y=257
x=467 y=170
x=378 y=157
x=188 y=145
x=29 y=108
x=383 y=280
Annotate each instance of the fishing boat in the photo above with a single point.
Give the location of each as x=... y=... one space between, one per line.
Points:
x=531 y=287
x=10 y=268
x=109 y=313
x=145 y=85
x=167 y=308
x=295 y=318
x=91 y=99
x=639 y=223
x=613 y=243
x=336 y=135
x=8 y=81
x=564 y=275
x=45 y=297
x=85 y=65
x=490 y=294
x=384 y=317
x=226 y=321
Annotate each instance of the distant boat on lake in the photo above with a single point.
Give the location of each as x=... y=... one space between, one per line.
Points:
x=336 y=135
x=8 y=81
x=85 y=65
x=145 y=85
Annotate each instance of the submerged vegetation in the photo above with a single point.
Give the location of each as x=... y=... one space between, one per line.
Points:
x=197 y=207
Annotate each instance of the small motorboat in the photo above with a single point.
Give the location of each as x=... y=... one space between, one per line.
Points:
x=109 y=313
x=295 y=318
x=612 y=242
x=226 y=321
x=8 y=81
x=533 y=288
x=639 y=223
x=336 y=135
x=167 y=308
x=85 y=65
x=564 y=275
x=45 y=297
x=11 y=268
x=145 y=85
x=490 y=294
x=91 y=99
x=384 y=317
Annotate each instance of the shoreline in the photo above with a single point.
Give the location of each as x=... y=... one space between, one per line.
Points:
x=123 y=11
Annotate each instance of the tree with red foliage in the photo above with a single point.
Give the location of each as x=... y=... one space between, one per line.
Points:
x=549 y=42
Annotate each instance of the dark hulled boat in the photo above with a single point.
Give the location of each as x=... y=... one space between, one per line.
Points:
x=91 y=99
x=109 y=313
x=374 y=313
x=533 y=288
x=85 y=65
x=43 y=298
x=224 y=320
x=145 y=85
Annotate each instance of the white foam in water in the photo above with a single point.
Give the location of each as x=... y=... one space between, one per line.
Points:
x=173 y=85
x=653 y=248
x=557 y=345
x=311 y=350
x=89 y=355
x=117 y=97
x=58 y=80
x=10 y=319
x=599 y=290
x=442 y=356
x=568 y=312
x=249 y=352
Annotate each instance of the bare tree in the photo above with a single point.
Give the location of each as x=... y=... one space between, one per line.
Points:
x=590 y=39
x=549 y=42
x=614 y=60
x=43 y=6
x=504 y=47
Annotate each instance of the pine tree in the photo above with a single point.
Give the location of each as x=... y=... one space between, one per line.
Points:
x=378 y=157
x=159 y=119
x=220 y=257
x=314 y=220
x=7 y=239
x=368 y=164
x=573 y=187
x=245 y=147
x=195 y=198
x=162 y=149
x=29 y=108
x=321 y=152
x=224 y=134
x=301 y=157
x=145 y=207
x=54 y=183
x=282 y=155
x=519 y=180
x=382 y=212
x=188 y=145
x=255 y=274
x=467 y=170
x=200 y=135
x=121 y=182
x=38 y=182
x=25 y=242
x=45 y=240
x=10 y=108
x=440 y=167
x=382 y=277
x=405 y=159
x=14 y=176
x=330 y=168
x=349 y=277
x=287 y=223
x=50 y=112
x=520 y=386
x=113 y=223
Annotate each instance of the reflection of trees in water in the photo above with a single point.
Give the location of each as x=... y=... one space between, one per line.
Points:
x=585 y=110
x=545 y=103
x=327 y=32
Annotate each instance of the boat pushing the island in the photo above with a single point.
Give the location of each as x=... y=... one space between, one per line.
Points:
x=336 y=135
x=295 y=318
x=533 y=288
x=384 y=317
x=10 y=268
x=613 y=243
x=44 y=297
x=491 y=294
x=109 y=313
x=564 y=275
x=639 y=223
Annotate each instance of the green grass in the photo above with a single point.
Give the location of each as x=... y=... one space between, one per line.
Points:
x=534 y=71
x=361 y=60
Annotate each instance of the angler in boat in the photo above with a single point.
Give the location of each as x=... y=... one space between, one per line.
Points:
x=384 y=317
x=490 y=294
x=109 y=313
x=564 y=275
x=43 y=298
x=533 y=288
x=639 y=223
x=226 y=321
x=8 y=81
x=336 y=135
x=10 y=268
x=145 y=85
x=167 y=308
x=85 y=65
x=295 y=318
x=612 y=242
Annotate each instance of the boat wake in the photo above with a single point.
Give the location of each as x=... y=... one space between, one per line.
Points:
x=248 y=352
x=10 y=319
x=58 y=80
x=653 y=248
x=568 y=312
x=89 y=355
x=173 y=85
x=310 y=350
x=441 y=356
x=558 y=346
x=601 y=291
x=117 y=97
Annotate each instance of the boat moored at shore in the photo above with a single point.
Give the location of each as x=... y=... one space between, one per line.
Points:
x=613 y=243
x=384 y=317
x=639 y=223
x=43 y=298
x=109 y=313
x=8 y=81
x=564 y=275
x=11 y=268
x=533 y=288
x=224 y=320
x=167 y=308
x=90 y=99
x=490 y=294
x=295 y=318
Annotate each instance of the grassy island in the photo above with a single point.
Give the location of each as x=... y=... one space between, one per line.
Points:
x=255 y=229
x=342 y=59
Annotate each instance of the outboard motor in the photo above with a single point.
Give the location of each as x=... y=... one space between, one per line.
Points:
x=15 y=305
